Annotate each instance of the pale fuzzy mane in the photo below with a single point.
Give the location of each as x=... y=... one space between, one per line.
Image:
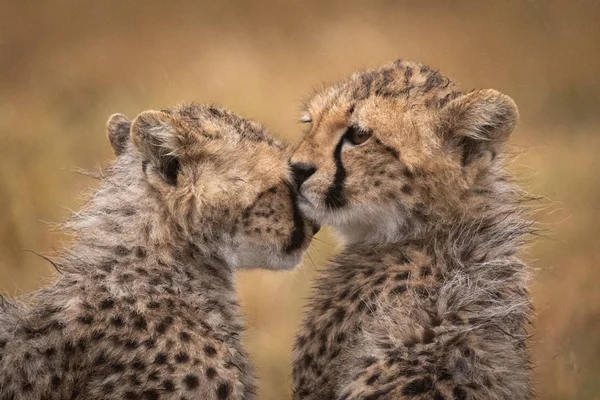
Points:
x=479 y=258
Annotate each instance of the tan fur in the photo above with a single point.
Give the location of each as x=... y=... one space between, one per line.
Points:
x=427 y=299
x=145 y=305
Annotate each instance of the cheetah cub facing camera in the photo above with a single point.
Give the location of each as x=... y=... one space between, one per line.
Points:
x=145 y=305
x=428 y=298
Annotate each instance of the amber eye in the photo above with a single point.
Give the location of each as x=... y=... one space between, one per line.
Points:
x=357 y=136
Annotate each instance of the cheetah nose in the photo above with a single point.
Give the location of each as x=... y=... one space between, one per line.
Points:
x=301 y=172
x=316 y=228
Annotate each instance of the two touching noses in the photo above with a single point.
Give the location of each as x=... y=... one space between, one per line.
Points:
x=301 y=172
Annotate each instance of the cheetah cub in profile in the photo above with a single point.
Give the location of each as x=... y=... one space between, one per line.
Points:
x=145 y=306
x=428 y=298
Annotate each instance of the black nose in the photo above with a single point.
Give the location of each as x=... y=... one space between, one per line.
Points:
x=301 y=172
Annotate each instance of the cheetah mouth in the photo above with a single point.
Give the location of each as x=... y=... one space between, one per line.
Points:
x=298 y=239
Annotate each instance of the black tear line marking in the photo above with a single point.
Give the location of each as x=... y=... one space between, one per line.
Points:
x=334 y=197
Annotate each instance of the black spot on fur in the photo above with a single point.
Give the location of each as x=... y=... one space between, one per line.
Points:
x=380 y=280
x=438 y=396
x=117 y=367
x=150 y=394
x=85 y=319
x=398 y=290
x=50 y=351
x=459 y=393
x=161 y=358
x=406 y=189
x=444 y=375
x=131 y=344
x=210 y=350
x=223 y=390
x=121 y=250
x=106 y=304
x=191 y=381
x=108 y=387
x=182 y=357
x=211 y=373
x=138 y=365
x=402 y=276
x=163 y=325
x=344 y=294
x=117 y=321
x=140 y=323
x=69 y=348
x=153 y=305
x=369 y=271
x=339 y=315
x=307 y=360
x=417 y=387
x=169 y=385
x=428 y=335
x=55 y=381
x=184 y=336
x=140 y=252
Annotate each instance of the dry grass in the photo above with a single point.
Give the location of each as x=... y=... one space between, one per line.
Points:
x=66 y=65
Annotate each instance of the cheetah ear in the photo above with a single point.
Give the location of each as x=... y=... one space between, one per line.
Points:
x=117 y=131
x=155 y=136
x=479 y=122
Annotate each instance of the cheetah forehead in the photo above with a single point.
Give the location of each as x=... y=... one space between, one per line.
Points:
x=413 y=82
x=211 y=122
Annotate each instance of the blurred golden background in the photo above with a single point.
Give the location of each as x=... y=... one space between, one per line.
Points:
x=65 y=66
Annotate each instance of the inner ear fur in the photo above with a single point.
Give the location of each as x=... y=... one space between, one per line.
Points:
x=117 y=131
x=155 y=135
x=478 y=122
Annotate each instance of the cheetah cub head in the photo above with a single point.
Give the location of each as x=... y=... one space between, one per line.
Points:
x=220 y=182
x=391 y=150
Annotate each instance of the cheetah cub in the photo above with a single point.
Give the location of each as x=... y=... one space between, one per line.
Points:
x=428 y=298
x=145 y=306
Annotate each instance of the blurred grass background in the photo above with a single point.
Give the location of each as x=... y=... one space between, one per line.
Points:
x=65 y=66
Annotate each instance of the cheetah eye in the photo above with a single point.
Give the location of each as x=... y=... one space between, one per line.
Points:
x=357 y=136
x=305 y=119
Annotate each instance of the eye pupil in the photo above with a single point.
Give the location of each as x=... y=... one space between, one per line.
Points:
x=357 y=136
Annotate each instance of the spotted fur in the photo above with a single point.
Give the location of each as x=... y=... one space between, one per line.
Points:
x=428 y=297
x=145 y=305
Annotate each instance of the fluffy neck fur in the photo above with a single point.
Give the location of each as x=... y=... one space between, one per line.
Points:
x=127 y=244
x=475 y=249
x=126 y=219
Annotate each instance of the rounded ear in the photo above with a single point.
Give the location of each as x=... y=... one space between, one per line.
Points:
x=478 y=122
x=117 y=131
x=154 y=135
